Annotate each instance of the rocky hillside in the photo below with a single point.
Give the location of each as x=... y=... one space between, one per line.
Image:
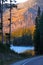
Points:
x=21 y=17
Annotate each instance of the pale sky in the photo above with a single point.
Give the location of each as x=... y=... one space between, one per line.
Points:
x=20 y=1
x=17 y=1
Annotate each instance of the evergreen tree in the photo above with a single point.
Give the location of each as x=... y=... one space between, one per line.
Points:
x=41 y=33
x=38 y=13
x=37 y=34
x=36 y=39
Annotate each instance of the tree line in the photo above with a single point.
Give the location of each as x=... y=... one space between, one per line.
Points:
x=24 y=40
x=38 y=33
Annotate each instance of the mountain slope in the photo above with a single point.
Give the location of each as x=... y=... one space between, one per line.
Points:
x=21 y=18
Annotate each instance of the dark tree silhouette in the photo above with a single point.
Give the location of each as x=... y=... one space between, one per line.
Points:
x=41 y=33
x=37 y=33
x=0 y=7
x=37 y=41
x=24 y=40
x=38 y=13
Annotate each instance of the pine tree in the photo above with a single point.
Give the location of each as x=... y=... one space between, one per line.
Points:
x=37 y=33
x=41 y=33
x=38 y=13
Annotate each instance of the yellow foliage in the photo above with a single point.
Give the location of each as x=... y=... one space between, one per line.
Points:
x=22 y=31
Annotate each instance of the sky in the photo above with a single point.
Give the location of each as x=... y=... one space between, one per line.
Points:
x=17 y=1
x=20 y=1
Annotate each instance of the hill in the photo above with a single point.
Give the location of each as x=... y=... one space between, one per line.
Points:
x=21 y=17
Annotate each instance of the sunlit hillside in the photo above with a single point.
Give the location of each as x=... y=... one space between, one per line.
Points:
x=21 y=18
x=19 y=21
